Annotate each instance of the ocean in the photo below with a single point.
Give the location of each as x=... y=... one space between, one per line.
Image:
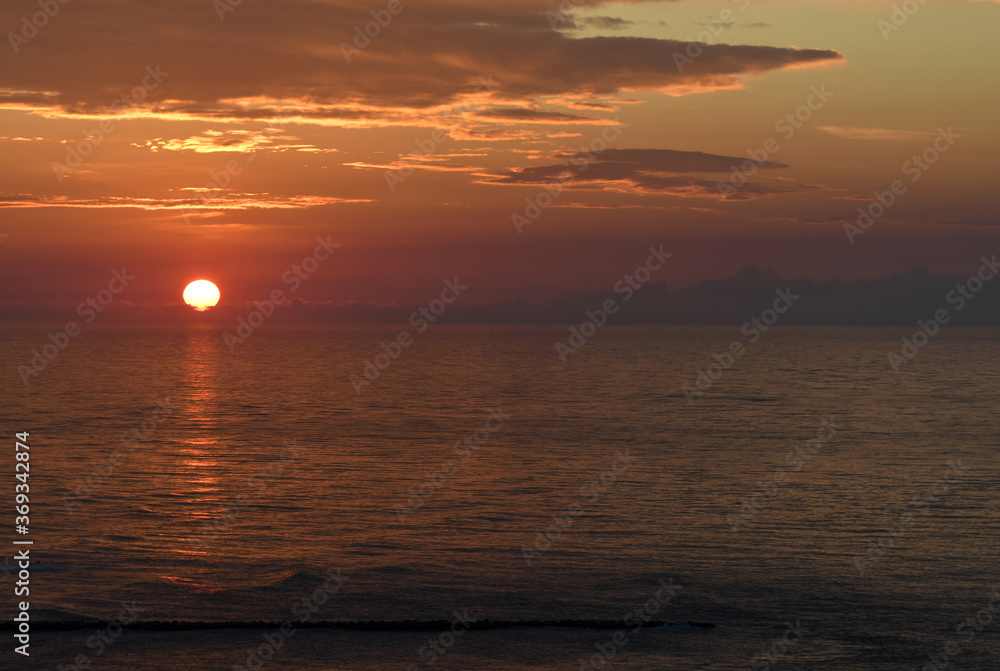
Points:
x=806 y=507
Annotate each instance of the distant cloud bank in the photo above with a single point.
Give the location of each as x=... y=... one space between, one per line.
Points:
x=899 y=298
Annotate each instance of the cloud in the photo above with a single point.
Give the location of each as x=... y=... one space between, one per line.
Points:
x=415 y=162
x=214 y=201
x=975 y=222
x=876 y=134
x=525 y=115
x=895 y=299
x=607 y=22
x=589 y=105
x=669 y=160
x=638 y=171
x=211 y=141
x=287 y=60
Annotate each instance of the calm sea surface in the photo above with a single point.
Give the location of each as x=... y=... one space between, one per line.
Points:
x=212 y=486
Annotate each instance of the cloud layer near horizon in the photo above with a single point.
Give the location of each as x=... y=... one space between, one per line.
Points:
x=896 y=298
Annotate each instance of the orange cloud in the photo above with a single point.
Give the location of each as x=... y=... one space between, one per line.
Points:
x=286 y=61
x=245 y=201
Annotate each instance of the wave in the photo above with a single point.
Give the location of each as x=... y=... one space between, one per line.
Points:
x=368 y=625
x=6 y=569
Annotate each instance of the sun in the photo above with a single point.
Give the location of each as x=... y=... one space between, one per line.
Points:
x=201 y=295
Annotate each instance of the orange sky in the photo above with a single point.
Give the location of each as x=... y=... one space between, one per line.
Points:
x=192 y=139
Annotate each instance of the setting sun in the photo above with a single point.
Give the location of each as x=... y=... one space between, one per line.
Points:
x=201 y=295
